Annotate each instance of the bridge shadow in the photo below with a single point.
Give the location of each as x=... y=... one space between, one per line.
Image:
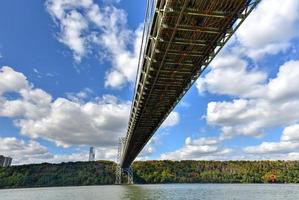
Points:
x=137 y=191
x=134 y=192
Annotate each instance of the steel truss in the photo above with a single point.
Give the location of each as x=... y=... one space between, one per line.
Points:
x=119 y=170
x=180 y=39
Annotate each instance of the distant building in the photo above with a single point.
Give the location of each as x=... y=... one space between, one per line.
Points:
x=91 y=154
x=1 y=160
x=5 y=161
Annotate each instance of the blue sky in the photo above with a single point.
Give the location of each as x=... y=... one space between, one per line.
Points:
x=67 y=72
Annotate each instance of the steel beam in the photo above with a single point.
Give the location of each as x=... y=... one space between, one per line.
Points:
x=215 y=14
x=165 y=75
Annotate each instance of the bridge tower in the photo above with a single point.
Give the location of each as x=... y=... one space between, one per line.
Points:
x=119 y=169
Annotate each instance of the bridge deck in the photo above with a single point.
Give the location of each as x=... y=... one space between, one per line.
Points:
x=184 y=37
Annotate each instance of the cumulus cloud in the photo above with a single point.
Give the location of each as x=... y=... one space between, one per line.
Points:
x=75 y=120
x=272 y=147
x=32 y=103
x=270 y=108
x=198 y=149
x=101 y=153
x=287 y=148
x=27 y=152
x=211 y=149
x=260 y=102
x=86 y=27
x=229 y=75
x=99 y=122
x=172 y=120
x=285 y=86
x=11 y=81
x=125 y=62
x=270 y=28
x=72 y=24
x=291 y=133
x=23 y=152
x=80 y=96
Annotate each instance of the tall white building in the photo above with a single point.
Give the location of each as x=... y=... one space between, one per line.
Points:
x=91 y=154
x=5 y=161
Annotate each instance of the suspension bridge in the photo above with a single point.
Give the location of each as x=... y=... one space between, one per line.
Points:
x=180 y=39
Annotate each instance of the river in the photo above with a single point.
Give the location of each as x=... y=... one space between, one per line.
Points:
x=156 y=192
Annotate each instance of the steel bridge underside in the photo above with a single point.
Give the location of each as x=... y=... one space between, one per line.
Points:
x=184 y=36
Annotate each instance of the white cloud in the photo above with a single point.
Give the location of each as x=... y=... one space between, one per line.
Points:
x=198 y=149
x=270 y=28
x=285 y=86
x=260 y=102
x=86 y=27
x=229 y=76
x=272 y=147
x=23 y=152
x=27 y=152
x=265 y=109
x=72 y=121
x=211 y=149
x=172 y=120
x=83 y=155
x=125 y=62
x=11 y=81
x=30 y=102
x=291 y=133
x=237 y=117
x=99 y=122
x=72 y=24
x=114 y=79
x=81 y=96
x=22 y=108
x=287 y=148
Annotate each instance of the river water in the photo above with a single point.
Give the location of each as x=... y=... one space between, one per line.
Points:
x=156 y=192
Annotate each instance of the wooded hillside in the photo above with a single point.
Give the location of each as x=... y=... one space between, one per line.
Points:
x=103 y=172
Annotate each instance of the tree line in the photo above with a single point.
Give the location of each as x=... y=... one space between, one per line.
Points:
x=150 y=172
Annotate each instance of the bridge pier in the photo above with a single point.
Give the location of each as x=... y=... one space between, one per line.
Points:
x=120 y=171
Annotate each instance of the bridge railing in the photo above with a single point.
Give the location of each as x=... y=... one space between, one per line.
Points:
x=148 y=20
